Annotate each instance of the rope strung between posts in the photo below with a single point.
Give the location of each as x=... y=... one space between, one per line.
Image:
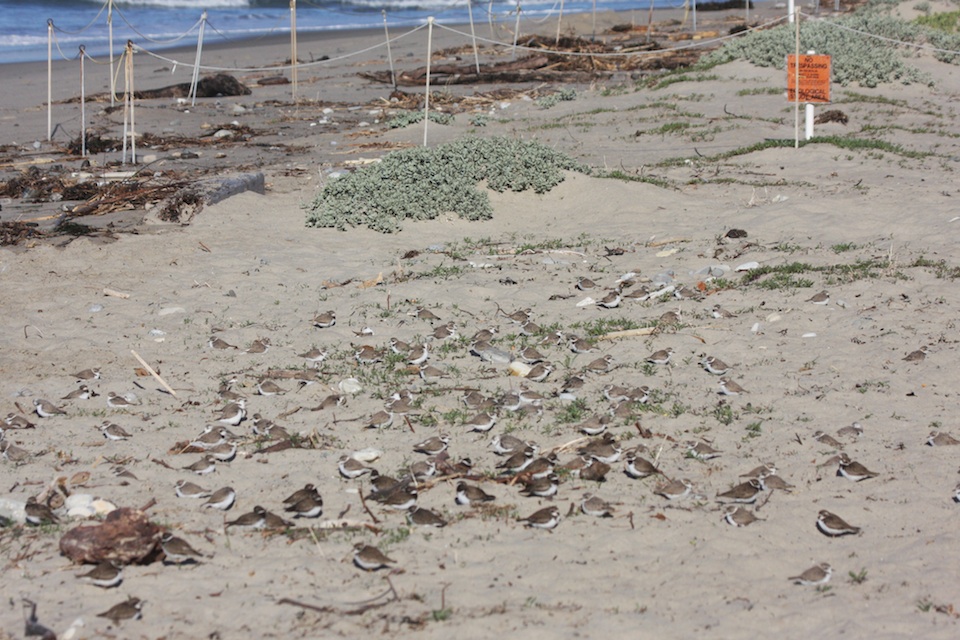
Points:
x=923 y=47
x=91 y=23
x=155 y=41
x=303 y=65
x=585 y=54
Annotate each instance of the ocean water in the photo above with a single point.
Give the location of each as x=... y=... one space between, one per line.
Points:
x=159 y=24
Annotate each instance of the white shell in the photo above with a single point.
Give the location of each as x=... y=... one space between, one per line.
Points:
x=748 y=266
x=350 y=385
x=15 y=510
x=166 y=311
x=518 y=368
x=755 y=328
x=587 y=302
x=667 y=252
x=661 y=292
x=774 y=317
x=809 y=335
x=84 y=505
x=367 y=455
x=103 y=507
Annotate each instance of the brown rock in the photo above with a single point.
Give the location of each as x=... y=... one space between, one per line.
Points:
x=125 y=537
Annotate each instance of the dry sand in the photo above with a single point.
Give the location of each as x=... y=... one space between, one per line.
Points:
x=247 y=269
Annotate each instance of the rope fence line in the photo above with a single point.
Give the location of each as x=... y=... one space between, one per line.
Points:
x=282 y=67
x=156 y=41
x=126 y=59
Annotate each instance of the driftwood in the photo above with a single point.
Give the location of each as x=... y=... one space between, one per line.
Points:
x=126 y=536
x=209 y=87
x=549 y=66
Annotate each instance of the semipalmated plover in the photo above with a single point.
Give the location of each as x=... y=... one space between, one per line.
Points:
x=814 y=576
x=833 y=525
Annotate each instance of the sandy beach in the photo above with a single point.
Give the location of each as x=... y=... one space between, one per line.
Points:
x=704 y=215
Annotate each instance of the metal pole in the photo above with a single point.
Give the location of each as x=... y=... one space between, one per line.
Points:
x=196 y=62
x=426 y=97
x=559 y=20
x=113 y=77
x=808 y=112
x=386 y=32
x=516 y=32
x=796 y=87
x=473 y=36
x=49 y=80
x=83 y=106
x=694 y=16
x=293 y=49
x=593 y=38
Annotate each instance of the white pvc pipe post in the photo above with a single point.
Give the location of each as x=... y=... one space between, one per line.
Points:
x=650 y=21
x=796 y=84
x=593 y=38
x=386 y=32
x=694 y=16
x=49 y=80
x=83 y=106
x=113 y=76
x=196 y=62
x=559 y=20
x=493 y=33
x=791 y=11
x=293 y=49
x=808 y=113
x=128 y=106
x=746 y=10
x=473 y=37
x=516 y=32
x=426 y=96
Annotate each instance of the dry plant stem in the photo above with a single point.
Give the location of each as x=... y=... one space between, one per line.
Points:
x=156 y=375
x=628 y=333
x=363 y=503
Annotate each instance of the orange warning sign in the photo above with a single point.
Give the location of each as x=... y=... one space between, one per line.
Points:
x=814 y=78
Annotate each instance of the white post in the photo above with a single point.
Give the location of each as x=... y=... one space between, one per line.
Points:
x=559 y=20
x=113 y=77
x=128 y=103
x=796 y=85
x=83 y=106
x=746 y=11
x=493 y=34
x=293 y=49
x=386 y=32
x=694 y=16
x=196 y=62
x=791 y=11
x=426 y=97
x=650 y=20
x=49 y=80
x=516 y=32
x=593 y=37
x=808 y=113
x=473 y=37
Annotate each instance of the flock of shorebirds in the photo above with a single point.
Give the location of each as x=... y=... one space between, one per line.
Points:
x=524 y=465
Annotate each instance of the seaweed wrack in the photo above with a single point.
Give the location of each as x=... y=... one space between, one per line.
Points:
x=422 y=183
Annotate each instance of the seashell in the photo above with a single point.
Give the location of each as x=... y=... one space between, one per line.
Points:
x=350 y=385
x=748 y=266
x=521 y=369
x=587 y=302
x=367 y=455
